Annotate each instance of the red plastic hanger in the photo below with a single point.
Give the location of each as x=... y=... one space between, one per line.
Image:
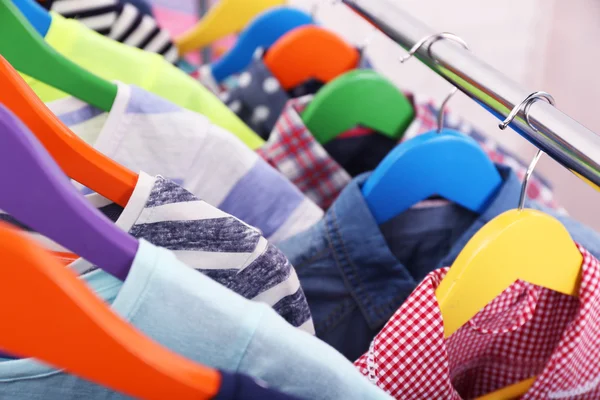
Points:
x=66 y=325
x=77 y=159
x=310 y=52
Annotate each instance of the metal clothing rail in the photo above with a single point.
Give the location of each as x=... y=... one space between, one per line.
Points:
x=562 y=138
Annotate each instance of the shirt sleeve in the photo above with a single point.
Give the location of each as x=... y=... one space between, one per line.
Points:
x=302 y=364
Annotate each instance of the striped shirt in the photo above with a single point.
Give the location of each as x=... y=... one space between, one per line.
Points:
x=144 y=132
x=206 y=239
x=121 y=21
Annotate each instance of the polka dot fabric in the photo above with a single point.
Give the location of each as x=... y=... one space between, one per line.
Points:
x=527 y=331
x=258 y=98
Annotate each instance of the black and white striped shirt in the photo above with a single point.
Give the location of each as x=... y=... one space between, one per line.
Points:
x=120 y=21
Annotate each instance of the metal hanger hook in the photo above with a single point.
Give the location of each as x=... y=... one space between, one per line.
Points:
x=526 y=105
x=441 y=111
x=526 y=179
x=316 y=5
x=430 y=40
x=368 y=39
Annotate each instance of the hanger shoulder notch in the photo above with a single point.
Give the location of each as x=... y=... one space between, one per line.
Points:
x=359 y=97
x=527 y=245
x=448 y=164
x=310 y=52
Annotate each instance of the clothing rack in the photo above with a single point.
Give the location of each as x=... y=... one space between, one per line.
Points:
x=558 y=135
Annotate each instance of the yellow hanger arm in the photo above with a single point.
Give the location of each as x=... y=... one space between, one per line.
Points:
x=225 y=18
x=527 y=245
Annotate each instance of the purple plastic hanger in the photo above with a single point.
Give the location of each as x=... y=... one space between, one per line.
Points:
x=37 y=193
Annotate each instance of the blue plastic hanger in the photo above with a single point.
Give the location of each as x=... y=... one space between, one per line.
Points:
x=448 y=164
x=39 y=18
x=263 y=31
x=443 y=162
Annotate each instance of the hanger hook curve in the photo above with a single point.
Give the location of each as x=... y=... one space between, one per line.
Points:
x=429 y=41
x=314 y=9
x=526 y=104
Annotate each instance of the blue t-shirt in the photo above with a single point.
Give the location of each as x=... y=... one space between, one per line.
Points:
x=202 y=320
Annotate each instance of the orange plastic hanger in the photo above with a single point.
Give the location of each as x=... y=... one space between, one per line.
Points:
x=65 y=313
x=77 y=159
x=310 y=52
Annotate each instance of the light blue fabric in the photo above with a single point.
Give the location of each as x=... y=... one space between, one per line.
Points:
x=202 y=320
x=355 y=274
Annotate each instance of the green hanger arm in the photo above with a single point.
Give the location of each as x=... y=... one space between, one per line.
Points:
x=29 y=54
x=359 y=97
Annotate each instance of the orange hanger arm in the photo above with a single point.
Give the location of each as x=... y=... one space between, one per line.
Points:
x=310 y=52
x=77 y=159
x=65 y=314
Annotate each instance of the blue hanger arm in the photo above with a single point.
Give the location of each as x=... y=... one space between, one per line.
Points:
x=39 y=195
x=262 y=32
x=449 y=164
x=37 y=16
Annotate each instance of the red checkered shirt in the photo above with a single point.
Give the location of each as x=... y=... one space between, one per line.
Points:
x=527 y=331
x=294 y=151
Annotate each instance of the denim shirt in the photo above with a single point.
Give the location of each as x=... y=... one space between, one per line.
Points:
x=356 y=274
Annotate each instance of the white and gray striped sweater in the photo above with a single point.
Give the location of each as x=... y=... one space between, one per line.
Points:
x=207 y=239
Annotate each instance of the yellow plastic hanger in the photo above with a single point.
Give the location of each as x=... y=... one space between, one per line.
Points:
x=227 y=17
x=519 y=244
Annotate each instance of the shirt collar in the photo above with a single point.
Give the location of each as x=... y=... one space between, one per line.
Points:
x=507 y=198
x=293 y=151
x=364 y=256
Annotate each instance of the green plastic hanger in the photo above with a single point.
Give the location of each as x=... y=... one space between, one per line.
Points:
x=27 y=52
x=360 y=97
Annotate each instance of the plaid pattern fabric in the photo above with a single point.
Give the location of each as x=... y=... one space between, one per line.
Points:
x=293 y=151
x=538 y=188
x=527 y=331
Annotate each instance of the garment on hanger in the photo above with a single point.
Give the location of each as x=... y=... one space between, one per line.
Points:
x=321 y=178
x=145 y=132
x=116 y=61
x=372 y=269
x=258 y=98
x=526 y=331
x=208 y=240
x=292 y=149
x=142 y=5
x=202 y=320
x=120 y=20
x=361 y=149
